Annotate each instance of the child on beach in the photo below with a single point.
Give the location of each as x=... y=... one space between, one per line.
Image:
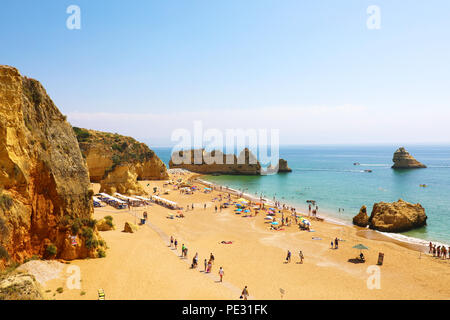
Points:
x=300 y=254
x=221 y=273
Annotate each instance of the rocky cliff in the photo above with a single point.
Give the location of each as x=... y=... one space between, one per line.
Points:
x=216 y=162
x=201 y=161
x=118 y=162
x=403 y=160
x=44 y=182
x=397 y=216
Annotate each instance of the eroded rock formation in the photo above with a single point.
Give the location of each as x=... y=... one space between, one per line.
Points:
x=361 y=219
x=201 y=161
x=118 y=162
x=44 y=182
x=403 y=160
x=397 y=216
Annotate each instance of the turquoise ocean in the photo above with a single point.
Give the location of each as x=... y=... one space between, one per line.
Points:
x=328 y=175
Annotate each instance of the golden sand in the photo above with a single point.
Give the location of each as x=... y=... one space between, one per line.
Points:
x=142 y=266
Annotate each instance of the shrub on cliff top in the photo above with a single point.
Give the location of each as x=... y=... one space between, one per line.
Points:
x=51 y=250
x=82 y=135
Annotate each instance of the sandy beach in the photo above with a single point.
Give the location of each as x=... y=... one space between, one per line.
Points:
x=142 y=265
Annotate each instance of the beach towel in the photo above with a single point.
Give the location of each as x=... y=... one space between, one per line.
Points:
x=227 y=242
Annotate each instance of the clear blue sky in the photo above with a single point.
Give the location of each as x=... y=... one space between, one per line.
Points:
x=309 y=68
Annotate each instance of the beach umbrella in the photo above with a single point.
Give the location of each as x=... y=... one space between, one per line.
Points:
x=246 y=210
x=268 y=218
x=274 y=223
x=360 y=247
x=238 y=210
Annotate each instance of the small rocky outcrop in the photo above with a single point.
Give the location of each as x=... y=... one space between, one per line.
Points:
x=44 y=181
x=361 y=219
x=397 y=216
x=130 y=227
x=105 y=225
x=403 y=160
x=117 y=162
x=283 y=166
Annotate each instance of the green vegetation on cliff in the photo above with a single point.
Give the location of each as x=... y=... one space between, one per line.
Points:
x=122 y=149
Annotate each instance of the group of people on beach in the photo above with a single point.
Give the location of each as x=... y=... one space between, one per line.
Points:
x=439 y=251
x=207 y=263
x=300 y=255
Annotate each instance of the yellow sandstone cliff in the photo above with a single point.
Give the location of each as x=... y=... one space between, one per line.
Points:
x=45 y=197
x=117 y=162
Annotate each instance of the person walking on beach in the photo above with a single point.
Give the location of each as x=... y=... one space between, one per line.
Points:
x=288 y=257
x=211 y=258
x=182 y=250
x=206 y=264
x=175 y=243
x=204 y=206
x=300 y=255
x=309 y=208
x=244 y=293
x=221 y=273
x=336 y=243
x=171 y=241
x=208 y=270
x=216 y=208
x=431 y=247
x=331 y=244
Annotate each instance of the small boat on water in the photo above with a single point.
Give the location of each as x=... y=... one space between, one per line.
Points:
x=367 y=170
x=423 y=185
x=356 y=163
